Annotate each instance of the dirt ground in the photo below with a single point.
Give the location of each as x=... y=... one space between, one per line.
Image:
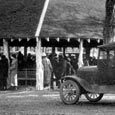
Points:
x=48 y=102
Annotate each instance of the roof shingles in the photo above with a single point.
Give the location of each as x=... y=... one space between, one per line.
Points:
x=19 y=18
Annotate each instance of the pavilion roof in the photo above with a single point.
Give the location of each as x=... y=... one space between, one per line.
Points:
x=64 y=18
x=74 y=18
x=19 y=18
x=109 y=46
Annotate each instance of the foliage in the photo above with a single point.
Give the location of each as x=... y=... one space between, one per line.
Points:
x=109 y=25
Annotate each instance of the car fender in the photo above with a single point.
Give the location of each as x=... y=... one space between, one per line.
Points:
x=83 y=84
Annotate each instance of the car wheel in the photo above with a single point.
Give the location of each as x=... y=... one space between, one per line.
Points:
x=94 y=97
x=69 y=92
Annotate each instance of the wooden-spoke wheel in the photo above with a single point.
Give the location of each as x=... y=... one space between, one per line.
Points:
x=94 y=97
x=69 y=92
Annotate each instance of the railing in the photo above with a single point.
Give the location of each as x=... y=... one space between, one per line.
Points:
x=26 y=74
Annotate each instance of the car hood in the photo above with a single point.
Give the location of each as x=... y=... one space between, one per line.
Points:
x=87 y=68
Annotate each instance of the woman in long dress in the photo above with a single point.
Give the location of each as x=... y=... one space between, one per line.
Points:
x=13 y=72
x=47 y=71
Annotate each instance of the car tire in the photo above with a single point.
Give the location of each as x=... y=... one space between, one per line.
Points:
x=94 y=97
x=69 y=92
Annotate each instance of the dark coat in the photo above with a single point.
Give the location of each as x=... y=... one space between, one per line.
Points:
x=4 y=68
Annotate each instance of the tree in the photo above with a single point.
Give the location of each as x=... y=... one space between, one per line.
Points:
x=109 y=25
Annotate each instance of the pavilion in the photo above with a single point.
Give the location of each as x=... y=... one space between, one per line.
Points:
x=51 y=23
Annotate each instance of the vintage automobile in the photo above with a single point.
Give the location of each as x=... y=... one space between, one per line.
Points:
x=92 y=81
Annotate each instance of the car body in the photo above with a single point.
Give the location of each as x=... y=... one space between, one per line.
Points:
x=93 y=81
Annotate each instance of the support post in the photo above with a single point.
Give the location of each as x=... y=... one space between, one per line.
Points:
x=53 y=49
x=25 y=52
x=6 y=53
x=6 y=48
x=39 y=66
x=87 y=56
x=80 y=58
x=87 y=52
x=25 y=59
x=64 y=51
x=42 y=18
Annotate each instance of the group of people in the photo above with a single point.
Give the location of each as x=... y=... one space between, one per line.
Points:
x=27 y=62
x=55 y=67
x=8 y=77
x=90 y=61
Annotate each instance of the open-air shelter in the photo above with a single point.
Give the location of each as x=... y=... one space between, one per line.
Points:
x=51 y=23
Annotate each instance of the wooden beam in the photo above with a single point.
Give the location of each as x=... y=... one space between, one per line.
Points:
x=25 y=52
x=87 y=52
x=39 y=66
x=6 y=48
x=6 y=53
x=80 y=58
x=42 y=18
x=64 y=51
x=53 y=49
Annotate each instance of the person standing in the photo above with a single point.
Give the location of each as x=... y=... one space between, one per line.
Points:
x=61 y=69
x=20 y=59
x=13 y=72
x=4 y=71
x=47 y=70
x=53 y=60
x=1 y=75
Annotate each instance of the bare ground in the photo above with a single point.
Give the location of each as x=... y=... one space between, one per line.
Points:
x=31 y=102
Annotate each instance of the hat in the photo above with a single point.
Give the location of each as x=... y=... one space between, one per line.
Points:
x=43 y=54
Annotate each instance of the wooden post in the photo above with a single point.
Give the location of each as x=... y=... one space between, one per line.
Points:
x=6 y=53
x=6 y=48
x=53 y=49
x=87 y=52
x=25 y=59
x=44 y=49
x=42 y=18
x=25 y=52
x=64 y=51
x=39 y=66
x=80 y=58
